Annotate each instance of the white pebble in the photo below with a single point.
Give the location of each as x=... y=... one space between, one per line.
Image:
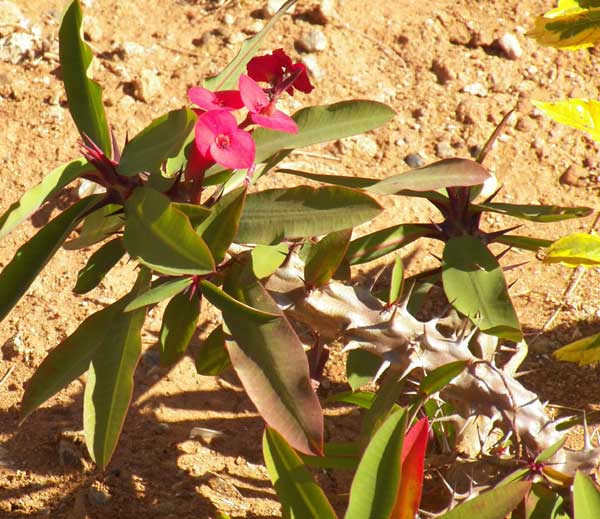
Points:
x=510 y=46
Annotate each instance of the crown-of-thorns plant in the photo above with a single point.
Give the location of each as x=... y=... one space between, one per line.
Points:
x=181 y=200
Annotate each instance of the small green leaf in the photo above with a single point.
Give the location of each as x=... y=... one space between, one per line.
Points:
x=84 y=95
x=292 y=481
x=37 y=195
x=325 y=257
x=586 y=497
x=179 y=323
x=274 y=214
x=375 y=485
x=99 y=264
x=336 y=180
x=98 y=226
x=535 y=213
x=546 y=454
x=494 y=504
x=442 y=174
x=397 y=281
x=228 y=77
x=160 y=292
x=475 y=285
x=162 y=237
x=375 y=245
x=361 y=367
x=32 y=257
x=266 y=259
x=523 y=242
x=584 y=351
x=110 y=379
x=360 y=398
x=195 y=213
x=162 y=139
x=341 y=456
x=224 y=302
x=574 y=250
x=384 y=404
x=543 y=503
x=440 y=377
x=212 y=357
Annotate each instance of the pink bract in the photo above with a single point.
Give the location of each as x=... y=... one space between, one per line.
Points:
x=219 y=139
x=276 y=67
x=224 y=100
x=262 y=109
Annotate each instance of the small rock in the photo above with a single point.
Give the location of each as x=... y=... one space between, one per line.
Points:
x=274 y=5
x=10 y=17
x=236 y=38
x=366 y=145
x=524 y=124
x=414 y=160
x=323 y=13
x=98 y=494
x=476 y=89
x=444 y=150
x=314 y=41
x=228 y=19
x=91 y=29
x=574 y=176
x=442 y=72
x=509 y=45
x=313 y=67
x=130 y=48
x=69 y=455
x=475 y=150
x=17 y=47
x=147 y=86
x=255 y=27
x=15 y=347
x=590 y=161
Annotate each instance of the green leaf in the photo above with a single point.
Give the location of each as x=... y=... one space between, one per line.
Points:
x=535 y=213
x=494 y=504
x=179 y=323
x=164 y=138
x=543 y=503
x=523 y=242
x=274 y=214
x=440 y=377
x=272 y=366
x=292 y=481
x=110 y=379
x=266 y=259
x=586 y=497
x=382 y=406
x=70 y=359
x=336 y=180
x=162 y=237
x=581 y=114
x=212 y=357
x=99 y=264
x=228 y=77
x=574 y=250
x=361 y=367
x=397 y=281
x=32 y=257
x=584 y=351
x=546 y=454
x=375 y=485
x=83 y=94
x=475 y=285
x=341 y=456
x=37 y=195
x=224 y=302
x=362 y=399
x=325 y=257
x=372 y=246
x=195 y=213
x=221 y=226
x=445 y=173
x=97 y=226
x=158 y=293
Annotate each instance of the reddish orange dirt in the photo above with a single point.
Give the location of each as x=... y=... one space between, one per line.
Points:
x=422 y=58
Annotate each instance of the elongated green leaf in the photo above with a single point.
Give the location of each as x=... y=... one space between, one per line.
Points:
x=32 y=257
x=361 y=367
x=228 y=78
x=317 y=124
x=382 y=406
x=377 y=479
x=574 y=250
x=474 y=284
x=266 y=259
x=179 y=323
x=523 y=242
x=274 y=214
x=445 y=173
x=397 y=281
x=325 y=257
x=292 y=480
x=494 y=504
x=440 y=377
x=212 y=357
x=37 y=195
x=70 y=359
x=99 y=264
x=195 y=213
x=341 y=456
x=360 y=398
x=221 y=226
x=110 y=379
x=586 y=497
x=97 y=226
x=272 y=366
x=162 y=139
x=583 y=351
x=372 y=246
x=336 y=180
x=543 y=503
x=546 y=454
x=83 y=94
x=162 y=237
x=535 y=213
x=159 y=293
x=224 y=302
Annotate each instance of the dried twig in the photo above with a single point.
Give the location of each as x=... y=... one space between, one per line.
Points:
x=6 y=375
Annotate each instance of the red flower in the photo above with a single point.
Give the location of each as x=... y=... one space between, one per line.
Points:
x=262 y=109
x=224 y=100
x=278 y=70
x=219 y=139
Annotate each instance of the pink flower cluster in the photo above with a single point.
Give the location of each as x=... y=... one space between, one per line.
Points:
x=218 y=136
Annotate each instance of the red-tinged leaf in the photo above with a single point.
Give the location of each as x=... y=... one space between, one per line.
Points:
x=413 y=470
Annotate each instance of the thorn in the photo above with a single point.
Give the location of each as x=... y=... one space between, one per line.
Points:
x=382 y=369
x=526 y=372
x=587 y=444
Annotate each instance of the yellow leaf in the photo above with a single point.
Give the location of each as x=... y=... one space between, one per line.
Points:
x=584 y=351
x=583 y=114
x=574 y=250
